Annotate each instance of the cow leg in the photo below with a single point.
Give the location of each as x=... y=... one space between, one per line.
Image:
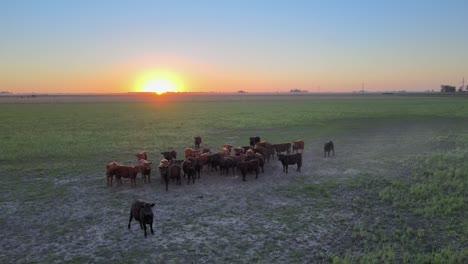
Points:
x=256 y=173
x=144 y=228
x=151 y=227
x=130 y=220
x=166 y=180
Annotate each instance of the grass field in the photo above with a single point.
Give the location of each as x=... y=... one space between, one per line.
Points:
x=395 y=192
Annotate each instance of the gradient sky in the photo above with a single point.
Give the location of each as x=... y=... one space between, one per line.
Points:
x=264 y=46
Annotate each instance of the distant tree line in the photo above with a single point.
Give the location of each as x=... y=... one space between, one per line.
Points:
x=452 y=89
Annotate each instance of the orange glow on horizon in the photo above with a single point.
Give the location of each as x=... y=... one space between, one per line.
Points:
x=159 y=82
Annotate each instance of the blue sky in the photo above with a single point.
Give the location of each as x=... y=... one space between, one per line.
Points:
x=73 y=46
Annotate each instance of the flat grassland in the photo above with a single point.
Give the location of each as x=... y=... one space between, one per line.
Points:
x=395 y=191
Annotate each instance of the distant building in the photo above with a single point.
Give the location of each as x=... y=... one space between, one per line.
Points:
x=297 y=91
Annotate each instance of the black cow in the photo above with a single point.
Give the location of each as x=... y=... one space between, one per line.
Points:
x=253 y=141
x=327 y=148
x=197 y=141
x=227 y=163
x=172 y=154
x=259 y=157
x=215 y=161
x=142 y=212
x=249 y=166
x=165 y=175
x=290 y=159
x=188 y=166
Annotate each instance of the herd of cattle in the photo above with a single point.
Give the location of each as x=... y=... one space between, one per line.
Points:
x=246 y=159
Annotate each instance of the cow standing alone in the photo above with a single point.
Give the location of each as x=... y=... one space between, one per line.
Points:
x=197 y=141
x=329 y=146
x=142 y=212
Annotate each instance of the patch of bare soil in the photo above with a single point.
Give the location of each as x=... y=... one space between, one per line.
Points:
x=219 y=218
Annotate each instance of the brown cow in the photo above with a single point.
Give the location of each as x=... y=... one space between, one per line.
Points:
x=298 y=145
x=225 y=152
x=109 y=168
x=262 y=144
x=197 y=141
x=163 y=170
x=121 y=171
x=201 y=160
x=175 y=173
x=228 y=147
x=142 y=155
x=238 y=151
x=283 y=147
x=263 y=151
x=189 y=152
x=249 y=153
x=237 y=159
x=145 y=169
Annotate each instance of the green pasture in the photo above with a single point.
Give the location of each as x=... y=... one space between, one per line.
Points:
x=98 y=132
x=421 y=215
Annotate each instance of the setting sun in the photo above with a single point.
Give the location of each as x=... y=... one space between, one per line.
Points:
x=159 y=82
x=159 y=87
